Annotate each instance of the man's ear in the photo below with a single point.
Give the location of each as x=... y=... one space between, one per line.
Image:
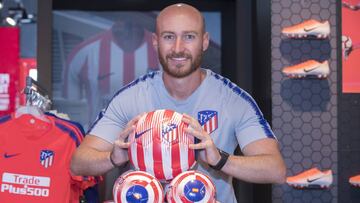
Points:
x=205 y=43
x=155 y=41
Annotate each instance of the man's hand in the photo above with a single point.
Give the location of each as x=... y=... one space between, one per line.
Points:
x=208 y=150
x=119 y=151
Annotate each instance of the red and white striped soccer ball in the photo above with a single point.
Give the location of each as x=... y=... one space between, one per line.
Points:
x=160 y=145
x=191 y=186
x=137 y=186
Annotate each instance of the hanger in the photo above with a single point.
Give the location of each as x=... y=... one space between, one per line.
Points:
x=36 y=103
x=33 y=111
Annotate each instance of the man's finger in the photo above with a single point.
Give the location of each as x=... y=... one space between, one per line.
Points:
x=189 y=118
x=192 y=122
x=122 y=144
x=186 y=120
x=127 y=131
x=197 y=146
x=195 y=133
x=130 y=126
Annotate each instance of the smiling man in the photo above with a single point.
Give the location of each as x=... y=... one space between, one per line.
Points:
x=180 y=40
x=220 y=114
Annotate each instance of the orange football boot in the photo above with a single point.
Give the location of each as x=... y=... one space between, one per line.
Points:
x=310 y=68
x=312 y=178
x=355 y=181
x=307 y=29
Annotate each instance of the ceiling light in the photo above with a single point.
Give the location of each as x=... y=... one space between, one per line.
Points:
x=10 y=21
x=18 y=15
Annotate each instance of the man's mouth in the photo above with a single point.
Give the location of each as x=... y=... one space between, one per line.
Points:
x=178 y=58
x=178 y=61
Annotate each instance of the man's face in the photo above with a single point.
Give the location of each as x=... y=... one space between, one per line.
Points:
x=180 y=41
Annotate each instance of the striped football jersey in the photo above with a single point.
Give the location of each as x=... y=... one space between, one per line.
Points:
x=98 y=67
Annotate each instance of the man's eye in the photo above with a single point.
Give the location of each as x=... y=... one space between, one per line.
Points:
x=169 y=37
x=189 y=37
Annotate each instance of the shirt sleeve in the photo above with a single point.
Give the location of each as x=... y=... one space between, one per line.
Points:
x=251 y=125
x=110 y=122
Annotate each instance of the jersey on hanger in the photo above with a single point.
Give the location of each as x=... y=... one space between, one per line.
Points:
x=36 y=159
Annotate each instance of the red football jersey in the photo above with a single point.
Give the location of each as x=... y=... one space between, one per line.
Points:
x=35 y=162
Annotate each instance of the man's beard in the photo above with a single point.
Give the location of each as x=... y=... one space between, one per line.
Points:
x=180 y=72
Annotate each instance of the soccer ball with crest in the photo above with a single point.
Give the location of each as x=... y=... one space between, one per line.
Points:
x=137 y=187
x=191 y=187
x=160 y=145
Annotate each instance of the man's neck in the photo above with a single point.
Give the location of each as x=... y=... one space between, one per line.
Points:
x=182 y=88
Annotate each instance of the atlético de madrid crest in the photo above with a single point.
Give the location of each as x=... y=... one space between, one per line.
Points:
x=208 y=120
x=46 y=158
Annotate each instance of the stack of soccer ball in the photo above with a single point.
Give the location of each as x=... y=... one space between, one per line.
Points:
x=159 y=152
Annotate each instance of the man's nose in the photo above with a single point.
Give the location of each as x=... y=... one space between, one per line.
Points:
x=179 y=45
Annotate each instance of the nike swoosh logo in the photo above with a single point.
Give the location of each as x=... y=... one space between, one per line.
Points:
x=312 y=180
x=310 y=69
x=102 y=77
x=6 y=155
x=310 y=29
x=137 y=135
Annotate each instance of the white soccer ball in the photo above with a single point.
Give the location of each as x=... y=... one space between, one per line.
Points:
x=191 y=187
x=137 y=187
x=160 y=145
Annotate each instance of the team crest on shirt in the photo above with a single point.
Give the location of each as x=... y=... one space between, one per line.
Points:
x=208 y=120
x=168 y=132
x=46 y=158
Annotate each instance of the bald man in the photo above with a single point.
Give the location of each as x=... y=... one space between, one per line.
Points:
x=200 y=94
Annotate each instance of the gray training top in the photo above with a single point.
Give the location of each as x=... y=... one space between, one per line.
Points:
x=231 y=115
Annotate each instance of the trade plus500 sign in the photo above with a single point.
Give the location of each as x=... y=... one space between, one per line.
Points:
x=19 y=184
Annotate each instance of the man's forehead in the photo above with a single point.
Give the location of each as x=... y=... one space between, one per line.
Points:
x=179 y=21
x=179 y=14
x=178 y=18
